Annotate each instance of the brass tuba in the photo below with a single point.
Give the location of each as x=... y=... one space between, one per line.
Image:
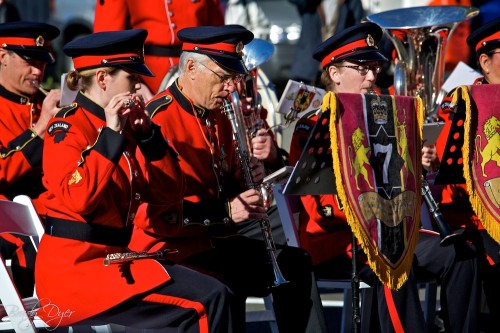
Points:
x=420 y=36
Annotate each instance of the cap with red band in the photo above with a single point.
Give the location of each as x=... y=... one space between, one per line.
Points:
x=89 y=61
x=124 y=48
x=485 y=38
x=24 y=41
x=223 y=44
x=216 y=48
x=357 y=43
x=30 y=40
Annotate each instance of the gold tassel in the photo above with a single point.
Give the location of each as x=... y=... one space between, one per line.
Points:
x=489 y=222
x=394 y=279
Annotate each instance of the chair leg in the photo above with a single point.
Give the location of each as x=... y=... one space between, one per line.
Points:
x=346 y=321
x=102 y=329
x=89 y=329
x=430 y=304
x=366 y=308
x=268 y=304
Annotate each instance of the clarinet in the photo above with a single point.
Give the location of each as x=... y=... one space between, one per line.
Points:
x=448 y=237
x=243 y=154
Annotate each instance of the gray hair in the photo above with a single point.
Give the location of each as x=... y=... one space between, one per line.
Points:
x=198 y=57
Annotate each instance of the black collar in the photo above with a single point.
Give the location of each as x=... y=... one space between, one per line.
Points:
x=186 y=103
x=19 y=99
x=90 y=106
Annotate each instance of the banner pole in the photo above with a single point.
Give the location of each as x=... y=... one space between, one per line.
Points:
x=356 y=317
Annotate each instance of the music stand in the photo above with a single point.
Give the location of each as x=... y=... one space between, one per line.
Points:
x=313 y=175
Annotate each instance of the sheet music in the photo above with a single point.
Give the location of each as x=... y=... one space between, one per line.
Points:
x=431 y=132
x=461 y=75
x=300 y=97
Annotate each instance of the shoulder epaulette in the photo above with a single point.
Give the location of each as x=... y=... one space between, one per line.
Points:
x=65 y=111
x=157 y=104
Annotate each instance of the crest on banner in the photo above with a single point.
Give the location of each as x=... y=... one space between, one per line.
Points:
x=376 y=150
x=481 y=151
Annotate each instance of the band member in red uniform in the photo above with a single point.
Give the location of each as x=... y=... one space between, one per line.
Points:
x=350 y=65
x=220 y=233
x=24 y=53
x=101 y=154
x=455 y=204
x=162 y=19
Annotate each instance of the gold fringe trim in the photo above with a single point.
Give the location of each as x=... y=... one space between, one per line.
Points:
x=392 y=278
x=491 y=225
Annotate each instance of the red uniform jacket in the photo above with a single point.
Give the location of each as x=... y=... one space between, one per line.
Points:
x=20 y=148
x=203 y=140
x=323 y=228
x=95 y=187
x=162 y=19
x=454 y=204
x=20 y=153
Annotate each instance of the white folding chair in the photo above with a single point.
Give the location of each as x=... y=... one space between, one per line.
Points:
x=16 y=313
x=266 y=315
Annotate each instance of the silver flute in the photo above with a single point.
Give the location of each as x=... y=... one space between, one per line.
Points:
x=121 y=257
x=37 y=85
x=243 y=153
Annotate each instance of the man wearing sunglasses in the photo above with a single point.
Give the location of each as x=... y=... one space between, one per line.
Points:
x=351 y=62
x=220 y=233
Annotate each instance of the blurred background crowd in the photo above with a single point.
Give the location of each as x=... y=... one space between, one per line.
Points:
x=294 y=27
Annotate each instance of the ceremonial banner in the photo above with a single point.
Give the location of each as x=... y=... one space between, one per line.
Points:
x=481 y=151
x=376 y=150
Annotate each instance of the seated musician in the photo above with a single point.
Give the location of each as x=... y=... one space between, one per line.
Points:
x=455 y=202
x=221 y=230
x=100 y=156
x=25 y=51
x=351 y=61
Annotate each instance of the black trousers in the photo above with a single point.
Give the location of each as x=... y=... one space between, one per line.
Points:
x=454 y=267
x=489 y=263
x=22 y=253
x=239 y=259
x=156 y=312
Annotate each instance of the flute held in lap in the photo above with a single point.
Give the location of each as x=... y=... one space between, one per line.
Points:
x=121 y=257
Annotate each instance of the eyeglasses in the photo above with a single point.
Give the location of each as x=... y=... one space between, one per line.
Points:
x=226 y=79
x=363 y=69
x=493 y=52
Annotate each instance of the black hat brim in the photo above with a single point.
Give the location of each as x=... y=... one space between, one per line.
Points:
x=362 y=56
x=230 y=64
x=33 y=54
x=137 y=68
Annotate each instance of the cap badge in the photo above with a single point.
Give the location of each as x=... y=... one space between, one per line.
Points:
x=239 y=47
x=369 y=40
x=39 y=41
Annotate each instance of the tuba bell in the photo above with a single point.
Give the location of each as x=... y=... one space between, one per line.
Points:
x=420 y=36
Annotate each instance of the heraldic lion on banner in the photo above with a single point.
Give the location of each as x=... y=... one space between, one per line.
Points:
x=481 y=151
x=376 y=150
